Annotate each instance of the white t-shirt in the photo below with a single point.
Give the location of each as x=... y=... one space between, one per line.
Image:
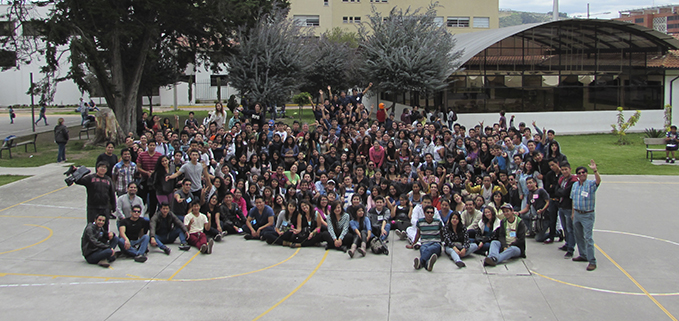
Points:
x=198 y=222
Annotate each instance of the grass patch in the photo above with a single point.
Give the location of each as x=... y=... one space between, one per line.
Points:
x=6 y=179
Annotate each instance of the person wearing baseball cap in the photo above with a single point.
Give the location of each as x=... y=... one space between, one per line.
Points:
x=511 y=241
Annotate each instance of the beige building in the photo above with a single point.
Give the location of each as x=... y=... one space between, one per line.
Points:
x=459 y=16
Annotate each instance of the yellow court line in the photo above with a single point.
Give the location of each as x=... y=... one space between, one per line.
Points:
x=240 y=274
x=636 y=283
x=603 y=290
x=34 y=244
x=183 y=266
x=37 y=197
x=105 y=278
x=295 y=290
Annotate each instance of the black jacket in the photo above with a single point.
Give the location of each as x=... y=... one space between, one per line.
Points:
x=94 y=239
x=61 y=134
x=164 y=225
x=100 y=191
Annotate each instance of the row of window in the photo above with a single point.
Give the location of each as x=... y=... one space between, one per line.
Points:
x=452 y=22
x=326 y=1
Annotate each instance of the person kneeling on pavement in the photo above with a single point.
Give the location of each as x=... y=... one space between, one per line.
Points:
x=511 y=240
x=97 y=245
x=165 y=227
x=133 y=239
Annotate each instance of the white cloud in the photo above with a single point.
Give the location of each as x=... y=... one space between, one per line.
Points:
x=579 y=7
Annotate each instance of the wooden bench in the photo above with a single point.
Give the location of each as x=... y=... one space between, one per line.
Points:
x=29 y=142
x=86 y=130
x=7 y=145
x=654 y=141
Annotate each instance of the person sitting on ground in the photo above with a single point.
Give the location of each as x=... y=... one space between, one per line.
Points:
x=416 y=214
x=134 y=239
x=211 y=210
x=231 y=215
x=286 y=226
x=97 y=245
x=362 y=230
x=429 y=231
x=165 y=227
x=196 y=222
x=260 y=220
x=511 y=239
x=487 y=229
x=380 y=218
x=470 y=218
x=456 y=240
x=338 y=228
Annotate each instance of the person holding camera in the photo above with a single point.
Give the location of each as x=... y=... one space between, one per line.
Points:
x=101 y=196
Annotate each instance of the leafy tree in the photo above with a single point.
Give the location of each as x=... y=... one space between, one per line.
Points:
x=334 y=62
x=269 y=59
x=406 y=50
x=112 y=40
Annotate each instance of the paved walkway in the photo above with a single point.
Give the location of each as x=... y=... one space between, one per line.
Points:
x=45 y=277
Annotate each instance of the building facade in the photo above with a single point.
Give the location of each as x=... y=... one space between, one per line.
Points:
x=664 y=18
x=459 y=16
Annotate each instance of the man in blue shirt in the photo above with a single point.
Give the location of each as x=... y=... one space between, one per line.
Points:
x=259 y=221
x=583 y=195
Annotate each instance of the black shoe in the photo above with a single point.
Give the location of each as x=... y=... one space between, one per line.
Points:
x=218 y=237
x=430 y=263
x=490 y=261
x=184 y=247
x=111 y=259
x=568 y=255
x=672 y=161
x=248 y=237
x=104 y=263
x=343 y=249
x=591 y=267
x=667 y=160
x=140 y=258
x=167 y=250
x=460 y=264
x=579 y=259
x=203 y=248
x=561 y=236
x=564 y=248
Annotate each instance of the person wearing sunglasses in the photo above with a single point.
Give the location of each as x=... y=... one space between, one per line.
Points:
x=583 y=194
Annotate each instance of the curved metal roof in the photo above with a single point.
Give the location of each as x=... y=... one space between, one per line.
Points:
x=573 y=34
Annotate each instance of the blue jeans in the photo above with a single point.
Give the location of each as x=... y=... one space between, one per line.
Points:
x=97 y=256
x=583 y=226
x=567 y=224
x=377 y=231
x=507 y=254
x=61 y=155
x=453 y=255
x=429 y=249
x=161 y=240
x=142 y=242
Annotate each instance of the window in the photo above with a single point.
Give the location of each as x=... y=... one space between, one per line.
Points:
x=32 y=28
x=378 y=1
x=6 y=28
x=308 y=21
x=325 y=3
x=458 y=22
x=351 y=19
x=438 y=21
x=673 y=26
x=639 y=20
x=670 y=18
x=481 y=22
x=351 y=0
x=8 y=58
x=223 y=80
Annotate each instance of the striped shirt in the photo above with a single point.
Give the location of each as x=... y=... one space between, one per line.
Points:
x=429 y=232
x=123 y=175
x=584 y=195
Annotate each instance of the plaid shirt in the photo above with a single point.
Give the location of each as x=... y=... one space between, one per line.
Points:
x=584 y=195
x=124 y=175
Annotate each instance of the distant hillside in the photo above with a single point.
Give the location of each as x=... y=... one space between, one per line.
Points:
x=513 y=18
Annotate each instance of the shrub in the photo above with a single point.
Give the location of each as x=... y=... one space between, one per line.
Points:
x=623 y=126
x=654 y=133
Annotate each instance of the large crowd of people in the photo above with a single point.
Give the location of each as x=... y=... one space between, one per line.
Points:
x=345 y=182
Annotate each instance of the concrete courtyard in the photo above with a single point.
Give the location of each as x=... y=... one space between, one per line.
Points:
x=44 y=276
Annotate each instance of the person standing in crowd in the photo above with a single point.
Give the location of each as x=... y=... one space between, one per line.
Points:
x=101 y=197
x=98 y=245
x=43 y=110
x=125 y=202
x=108 y=157
x=124 y=172
x=61 y=138
x=563 y=192
x=583 y=194
x=146 y=164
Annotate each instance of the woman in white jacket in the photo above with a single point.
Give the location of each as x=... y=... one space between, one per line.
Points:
x=487 y=229
x=218 y=116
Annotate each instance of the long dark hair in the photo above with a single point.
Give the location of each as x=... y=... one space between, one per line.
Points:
x=460 y=227
x=333 y=217
x=486 y=221
x=361 y=221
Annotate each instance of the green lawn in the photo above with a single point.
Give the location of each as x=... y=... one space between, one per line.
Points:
x=6 y=179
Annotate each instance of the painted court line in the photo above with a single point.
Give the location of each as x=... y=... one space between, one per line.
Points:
x=295 y=290
x=183 y=266
x=34 y=244
x=34 y=198
x=637 y=284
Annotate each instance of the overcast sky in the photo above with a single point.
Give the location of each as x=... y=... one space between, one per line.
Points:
x=579 y=7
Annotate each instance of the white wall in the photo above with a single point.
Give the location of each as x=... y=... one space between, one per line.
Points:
x=674 y=89
x=561 y=122
x=167 y=95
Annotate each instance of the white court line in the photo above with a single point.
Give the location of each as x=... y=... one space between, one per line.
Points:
x=69 y=283
x=53 y=206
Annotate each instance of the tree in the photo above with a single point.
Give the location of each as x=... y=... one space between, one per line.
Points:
x=113 y=39
x=406 y=51
x=334 y=61
x=269 y=59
